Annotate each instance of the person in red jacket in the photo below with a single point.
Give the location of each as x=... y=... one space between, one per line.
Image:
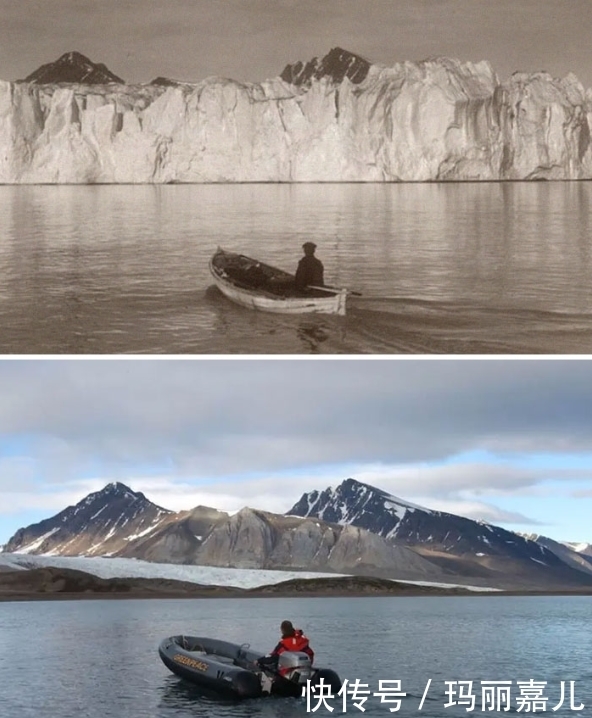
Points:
x=293 y=639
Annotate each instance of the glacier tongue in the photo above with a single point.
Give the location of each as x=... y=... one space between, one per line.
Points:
x=439 y=119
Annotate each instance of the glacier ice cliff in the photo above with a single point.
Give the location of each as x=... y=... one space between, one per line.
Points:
x=439 y=119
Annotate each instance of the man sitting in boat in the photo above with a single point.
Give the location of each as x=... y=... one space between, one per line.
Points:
x=310 y=269
x=293 y=639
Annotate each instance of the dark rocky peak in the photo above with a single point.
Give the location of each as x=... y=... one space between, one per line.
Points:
x=355 y=488
x=165 y=82
x=373 y=509
x=116 y=493
x=350 y=493
x=73 y=67
x=115 y=510
x=336 y=65
x=114 y=499
x=115 y=490
x=355 y=503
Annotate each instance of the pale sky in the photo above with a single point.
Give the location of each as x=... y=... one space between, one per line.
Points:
x=252 y=40
x=507 y=441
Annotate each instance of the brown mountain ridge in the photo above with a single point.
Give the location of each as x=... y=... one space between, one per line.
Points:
x=354 y=529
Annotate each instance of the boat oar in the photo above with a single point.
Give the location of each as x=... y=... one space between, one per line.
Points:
x=337 y=290
x=375 y=297
x=359 y=295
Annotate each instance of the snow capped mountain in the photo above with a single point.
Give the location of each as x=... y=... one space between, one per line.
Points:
x=353 y=502
x=119 y=522
x=338 y=118
x=444 y=538
x=99 y=525
x=73 y=67
x=352 y=529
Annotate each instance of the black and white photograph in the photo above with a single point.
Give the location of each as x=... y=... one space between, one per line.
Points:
x=295 y=177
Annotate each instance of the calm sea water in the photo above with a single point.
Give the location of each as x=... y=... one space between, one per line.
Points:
x=454 y=268
x=98 y=659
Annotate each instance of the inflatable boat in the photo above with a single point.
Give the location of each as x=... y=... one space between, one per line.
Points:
x=232 y=669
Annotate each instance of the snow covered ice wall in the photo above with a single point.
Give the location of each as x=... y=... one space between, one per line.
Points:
x=435 y=120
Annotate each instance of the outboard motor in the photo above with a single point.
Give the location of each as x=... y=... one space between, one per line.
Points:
x=295 y=666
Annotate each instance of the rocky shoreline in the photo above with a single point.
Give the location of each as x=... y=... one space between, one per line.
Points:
x=42 y=584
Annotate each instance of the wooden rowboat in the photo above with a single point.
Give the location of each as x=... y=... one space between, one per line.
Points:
x=256 y=285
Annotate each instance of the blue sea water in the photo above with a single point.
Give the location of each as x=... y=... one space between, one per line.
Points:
x=99 y=659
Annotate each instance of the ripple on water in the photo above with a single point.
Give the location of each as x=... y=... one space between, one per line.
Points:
x=468 y=267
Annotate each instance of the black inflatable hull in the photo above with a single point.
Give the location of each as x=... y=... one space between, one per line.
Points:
x=237 y=684
x=230 y=669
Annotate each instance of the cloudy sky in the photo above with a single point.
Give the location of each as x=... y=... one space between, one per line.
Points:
x=505 y=441
x=255 y=39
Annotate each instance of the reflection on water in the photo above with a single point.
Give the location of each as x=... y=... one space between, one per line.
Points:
x=466 y=267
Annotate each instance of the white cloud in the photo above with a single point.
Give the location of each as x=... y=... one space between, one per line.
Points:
x=277 y=411
x=450 y=478
x=17 y=471
x=278 y=493
x=185 y=432
x=476 y=510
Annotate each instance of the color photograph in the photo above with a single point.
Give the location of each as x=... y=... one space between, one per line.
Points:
x=275 y=538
